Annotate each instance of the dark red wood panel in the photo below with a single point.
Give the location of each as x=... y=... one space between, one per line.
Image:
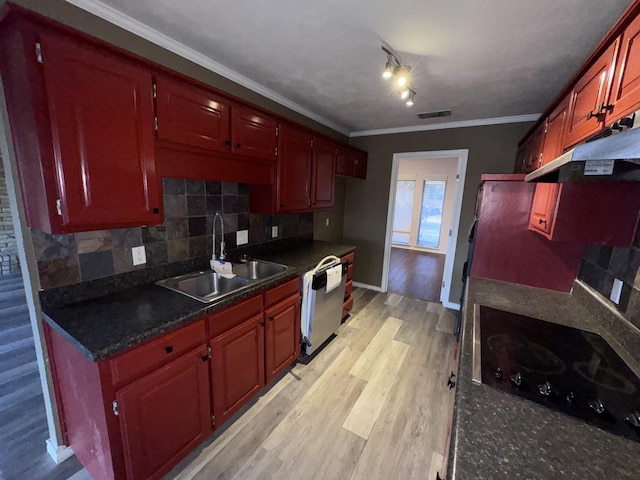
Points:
x=237 y=367
x=323 y=177
x=625 y=93
x=554 y=136
x=101 y=112
x=344 y=164
x=282 y=335
x=164 y=415
x=192 y=116
x=294 y=169
x=360 y=165
x=254 y=133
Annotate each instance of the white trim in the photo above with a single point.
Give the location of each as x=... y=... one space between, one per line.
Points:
x=59 y=453
x=368 y=287
x=462 y=156
x=441 y=126
x=132 y=25
x=452 y=306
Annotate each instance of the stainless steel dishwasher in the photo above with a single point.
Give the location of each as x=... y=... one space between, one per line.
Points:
x=322 y=300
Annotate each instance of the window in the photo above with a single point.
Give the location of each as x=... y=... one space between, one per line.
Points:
x=433 y=192
x=403 y=212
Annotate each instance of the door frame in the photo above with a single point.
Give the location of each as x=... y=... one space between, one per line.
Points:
x=462 y=155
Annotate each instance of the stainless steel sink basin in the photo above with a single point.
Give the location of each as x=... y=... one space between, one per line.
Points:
x=204 y=286
x=258 y=269
x=209 y=286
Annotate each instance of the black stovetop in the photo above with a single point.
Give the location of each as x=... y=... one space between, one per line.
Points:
x=563 y=368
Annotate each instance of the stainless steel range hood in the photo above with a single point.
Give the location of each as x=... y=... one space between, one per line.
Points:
x=613 y=158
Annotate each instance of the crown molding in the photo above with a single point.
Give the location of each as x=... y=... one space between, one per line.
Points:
x=128 y=23
x=442 y=126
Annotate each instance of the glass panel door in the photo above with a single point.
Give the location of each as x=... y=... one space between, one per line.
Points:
x=403 y=212
x=431 y=213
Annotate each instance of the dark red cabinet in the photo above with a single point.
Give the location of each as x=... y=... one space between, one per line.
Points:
x=164 y=415
x=554 y=133
x=254 y=134
x=282 y=335
x=101 y=114
x=360 y=165
x=192 y=116
x=625 y=91
x=294 y=169
x=351 y=162
x=543 y=208
x=322 y=177
x=237 y=367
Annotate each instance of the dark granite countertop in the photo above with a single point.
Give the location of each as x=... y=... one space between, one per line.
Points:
x=106 y=325
x=500 y=436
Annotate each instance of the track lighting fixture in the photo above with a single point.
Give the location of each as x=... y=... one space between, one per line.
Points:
x=401 y=75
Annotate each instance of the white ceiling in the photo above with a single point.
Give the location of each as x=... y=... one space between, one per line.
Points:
x=480 y=58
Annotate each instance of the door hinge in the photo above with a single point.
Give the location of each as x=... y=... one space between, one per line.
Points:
x=457 y=177
x=213 y=420
x=155 y=123
x=277 y=133
x=311 y=143
x=450 y=232
x=114 y=405
x=155 y=91
x=59 y=206
x=39 y=52
x=207 y=356
x=443 y=284
x=276 y=151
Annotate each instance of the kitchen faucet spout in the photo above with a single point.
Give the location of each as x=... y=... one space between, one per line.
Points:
x=222 y=254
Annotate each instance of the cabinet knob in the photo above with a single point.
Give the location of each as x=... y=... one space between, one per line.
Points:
x=270 y=319
x=542 y=222
x=262 y=323
x=168 y=349
x=227 y=142
x=238 y=145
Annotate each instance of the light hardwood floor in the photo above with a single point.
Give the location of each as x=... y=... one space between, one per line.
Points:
x=372 y=405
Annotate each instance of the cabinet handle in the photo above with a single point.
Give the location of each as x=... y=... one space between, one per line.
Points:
x=168 y=349
x=590 y=115
x=262 y=323
x=270 y=319
x=541 y=222
x=227 y=142
x=238 y=145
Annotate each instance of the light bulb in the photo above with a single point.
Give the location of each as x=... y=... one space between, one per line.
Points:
x=401 y=81
x=410 y=102
x=388 y=71
x=404 y=93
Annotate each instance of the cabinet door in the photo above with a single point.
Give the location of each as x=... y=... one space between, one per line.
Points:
x=294 y=169
x=344 y=164
x=360 y=165
x=101 y=111
x=625 y=93
x=237 y=367
x=587 y=106
x=323 y=177
x=554 y=136
x=253 y=134
x=534 y=154
x=192 y=116
x=164 y=415
x=521 y=158
x=543 y=207
x=282 y=335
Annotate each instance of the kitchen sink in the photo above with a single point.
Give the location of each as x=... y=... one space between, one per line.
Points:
x=258 y=269
x=209 y=286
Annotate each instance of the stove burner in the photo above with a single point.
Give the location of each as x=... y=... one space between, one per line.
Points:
x=527 y=355
x=604 y=377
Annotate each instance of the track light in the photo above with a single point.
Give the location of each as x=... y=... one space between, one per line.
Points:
x=401 y=75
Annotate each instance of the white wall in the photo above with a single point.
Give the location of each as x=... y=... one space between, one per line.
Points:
x=431 y=168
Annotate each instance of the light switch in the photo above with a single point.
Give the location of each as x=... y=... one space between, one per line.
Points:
x=616 y=291
x=242 y=237
x=139 y=255
x=326 y=222
x=274 y=231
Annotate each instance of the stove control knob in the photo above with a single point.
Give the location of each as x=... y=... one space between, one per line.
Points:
x=498 y=373
x=544 y=389
x=570 y=398
x=633 y=418
x=597 y=406
x=516 y=379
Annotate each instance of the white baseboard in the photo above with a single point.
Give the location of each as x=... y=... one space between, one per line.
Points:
x=452 y=306
x=375 y=288
x=59 y=453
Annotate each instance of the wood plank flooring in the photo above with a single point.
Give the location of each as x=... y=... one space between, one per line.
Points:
x=23 y=423
x=372 y=405
x=416 y=274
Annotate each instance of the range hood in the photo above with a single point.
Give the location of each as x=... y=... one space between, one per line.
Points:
x=613 y=156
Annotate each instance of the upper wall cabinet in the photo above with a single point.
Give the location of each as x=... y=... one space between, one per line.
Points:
x=82 y=124
x=322 y=175
x=625 y=92
x=351 y=162
x=588 y=103
x=253 y=134
x=192 y=116
x=528 y=155
x=554 y=128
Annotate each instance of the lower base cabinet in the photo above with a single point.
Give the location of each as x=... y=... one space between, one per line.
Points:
x=136 y=415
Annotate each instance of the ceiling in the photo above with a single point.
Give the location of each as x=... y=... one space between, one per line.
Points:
x=481 y=59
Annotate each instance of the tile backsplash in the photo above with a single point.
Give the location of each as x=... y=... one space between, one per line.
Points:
x=189 y=206
x=601 y=265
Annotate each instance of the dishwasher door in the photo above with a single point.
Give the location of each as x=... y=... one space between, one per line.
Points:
x=324 y=310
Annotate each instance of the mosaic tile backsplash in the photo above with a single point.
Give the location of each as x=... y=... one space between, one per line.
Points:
x=189 y=207
x=601 y=265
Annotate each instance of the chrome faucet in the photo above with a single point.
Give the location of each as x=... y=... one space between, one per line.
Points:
x=222 y=254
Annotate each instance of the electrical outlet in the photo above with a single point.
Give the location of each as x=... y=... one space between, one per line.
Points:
x=326 y=222
x=274 y=231
x=139 y=255
x=242 y=237
x=616 y=291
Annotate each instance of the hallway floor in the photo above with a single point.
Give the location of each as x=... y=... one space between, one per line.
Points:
x=416 y=274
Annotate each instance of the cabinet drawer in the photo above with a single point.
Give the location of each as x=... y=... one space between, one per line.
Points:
x=282 y=291
x=348 y=288
x=348 y=257
x=140 y=360
x=220 y=322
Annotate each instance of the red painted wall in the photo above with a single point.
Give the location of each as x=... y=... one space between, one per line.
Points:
x=505 y=250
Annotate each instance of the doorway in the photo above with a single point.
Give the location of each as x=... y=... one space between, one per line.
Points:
x=425 y=200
